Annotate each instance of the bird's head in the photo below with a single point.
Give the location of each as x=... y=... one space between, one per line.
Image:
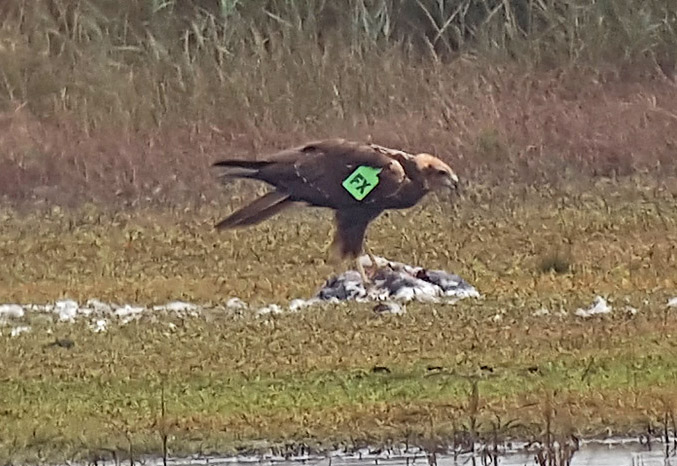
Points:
x=436 y=174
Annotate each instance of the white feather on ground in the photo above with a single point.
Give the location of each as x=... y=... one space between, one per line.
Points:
x=394 y=282
x=399 y=282
x=599 y=306
x=11 y=311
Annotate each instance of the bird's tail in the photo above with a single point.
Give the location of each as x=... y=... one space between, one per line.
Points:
x=261 y=209
x=239 y=168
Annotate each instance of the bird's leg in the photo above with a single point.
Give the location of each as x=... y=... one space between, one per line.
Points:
x=366 y=249
x=365 y=280
x=374 y=264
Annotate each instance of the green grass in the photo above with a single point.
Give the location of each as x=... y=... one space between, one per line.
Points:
x=308 y=377
x=230 y=380
x=557 y=119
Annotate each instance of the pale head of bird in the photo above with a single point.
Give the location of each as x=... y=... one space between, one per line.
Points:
x=436 y=174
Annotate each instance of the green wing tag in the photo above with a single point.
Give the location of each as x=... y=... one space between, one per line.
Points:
x=361 y=182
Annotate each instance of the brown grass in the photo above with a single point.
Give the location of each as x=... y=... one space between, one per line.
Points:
x=128 y=106
x=618 y=238
x=494 y=126
x=105 y=145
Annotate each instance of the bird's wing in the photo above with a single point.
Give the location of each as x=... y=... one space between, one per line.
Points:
x=399 y=155
x=407 y=160
x=335 y=173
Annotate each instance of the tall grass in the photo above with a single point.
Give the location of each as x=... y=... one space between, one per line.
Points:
x=132 y=100
x=294 y=62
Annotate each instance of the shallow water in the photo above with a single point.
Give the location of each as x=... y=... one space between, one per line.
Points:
x=603 y=453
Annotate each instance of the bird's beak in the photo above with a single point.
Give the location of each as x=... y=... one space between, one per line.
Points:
x=453 y=182
x=454 y=186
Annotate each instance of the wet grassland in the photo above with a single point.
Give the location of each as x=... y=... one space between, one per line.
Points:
x=560 y=122
x=503 y=363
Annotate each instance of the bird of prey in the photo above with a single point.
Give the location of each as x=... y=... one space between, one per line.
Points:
x=358 y=181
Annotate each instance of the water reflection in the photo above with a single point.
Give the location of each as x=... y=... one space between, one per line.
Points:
x=617 y=453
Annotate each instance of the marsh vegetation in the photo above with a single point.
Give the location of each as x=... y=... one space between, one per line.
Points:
x=561 y=117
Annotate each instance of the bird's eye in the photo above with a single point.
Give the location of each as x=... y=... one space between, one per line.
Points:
x=442 y=172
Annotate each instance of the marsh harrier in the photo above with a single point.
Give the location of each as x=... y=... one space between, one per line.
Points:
x=358 y=181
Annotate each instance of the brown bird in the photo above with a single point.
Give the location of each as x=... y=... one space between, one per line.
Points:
x=358 y=181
